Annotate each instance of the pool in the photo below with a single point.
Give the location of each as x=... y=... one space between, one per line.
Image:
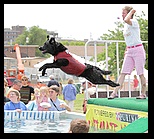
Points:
x=39 y=121
x=42 y=122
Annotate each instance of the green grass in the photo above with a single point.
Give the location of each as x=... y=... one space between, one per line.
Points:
x=77 y=103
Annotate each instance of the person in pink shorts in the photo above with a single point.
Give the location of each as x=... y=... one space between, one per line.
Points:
x=134 y=56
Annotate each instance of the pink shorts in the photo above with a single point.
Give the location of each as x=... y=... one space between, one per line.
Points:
x=134 y=58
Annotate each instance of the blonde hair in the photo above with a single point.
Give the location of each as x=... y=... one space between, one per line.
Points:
x=35 y=90
x=17 y=93
x=24 y=77
x=44 y=89
x=70 y=81
x=128 y=9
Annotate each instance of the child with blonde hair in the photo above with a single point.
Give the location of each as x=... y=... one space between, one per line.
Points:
x=43 y=103
x=33 y=104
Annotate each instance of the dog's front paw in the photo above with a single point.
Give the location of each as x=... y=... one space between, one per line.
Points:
x=44 y=69
x=43 y=72
x=40 y=69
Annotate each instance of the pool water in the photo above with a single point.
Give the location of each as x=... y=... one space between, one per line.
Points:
x=32 y=122
x=38 y=122
x=37 y=126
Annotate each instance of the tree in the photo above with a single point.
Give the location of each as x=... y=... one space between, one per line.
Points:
x=117 y=34
x=36 y=35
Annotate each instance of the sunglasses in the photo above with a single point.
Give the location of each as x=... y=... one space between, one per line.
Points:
x=12 y=94
x=24 y=80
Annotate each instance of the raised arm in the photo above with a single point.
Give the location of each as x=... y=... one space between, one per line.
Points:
x=129 y=16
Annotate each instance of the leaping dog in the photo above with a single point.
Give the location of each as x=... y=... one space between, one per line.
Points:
x=67 y=63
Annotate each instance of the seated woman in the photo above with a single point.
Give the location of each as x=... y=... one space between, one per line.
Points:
x=15 y=103
x=56 y=103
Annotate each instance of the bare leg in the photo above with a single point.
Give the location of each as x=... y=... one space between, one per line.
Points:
x=143 y=85
x=120 y=81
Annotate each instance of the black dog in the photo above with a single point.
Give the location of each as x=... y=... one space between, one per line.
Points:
x=67 y=63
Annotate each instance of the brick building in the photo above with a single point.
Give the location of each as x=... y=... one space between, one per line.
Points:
x=11 y=34
x=25 y=50
x=29 y=58
x=29 y=50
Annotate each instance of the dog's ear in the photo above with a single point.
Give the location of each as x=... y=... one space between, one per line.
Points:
x=52 y=40
x=47 y=37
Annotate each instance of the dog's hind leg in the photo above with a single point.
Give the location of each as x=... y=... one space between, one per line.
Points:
x=102 y=71
x=105 y=72
x=96 y=77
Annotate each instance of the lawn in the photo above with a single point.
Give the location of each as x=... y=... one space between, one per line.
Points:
x=77 y=103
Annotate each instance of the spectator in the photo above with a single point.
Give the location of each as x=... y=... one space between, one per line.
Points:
x=79 y=126
x=52 y=81
x=69 y=93
x=60 y=88
x=135 y=83
x=43 y=97
x=91 y=89
x=15 y=86
x=6 y=86
x=33 y=104
x=56 y=103
x=5 y=98
x=15 y=103
x=26 y=91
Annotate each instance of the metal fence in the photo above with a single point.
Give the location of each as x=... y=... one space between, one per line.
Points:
x=95 y=42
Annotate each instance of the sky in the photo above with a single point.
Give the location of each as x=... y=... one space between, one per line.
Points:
x=77 y=21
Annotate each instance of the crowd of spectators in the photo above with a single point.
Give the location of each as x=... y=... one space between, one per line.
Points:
x=21 y=96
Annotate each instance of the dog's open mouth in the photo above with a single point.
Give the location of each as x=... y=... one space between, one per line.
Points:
x=44 y=51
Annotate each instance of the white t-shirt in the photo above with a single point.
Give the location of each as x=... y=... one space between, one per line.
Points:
x=132 y=33
x=90 y=91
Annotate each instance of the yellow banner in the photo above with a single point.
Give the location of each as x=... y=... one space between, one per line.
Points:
x=111 y=119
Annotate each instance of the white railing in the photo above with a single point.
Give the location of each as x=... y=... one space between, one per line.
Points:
x=31 y=115
x=117 y=55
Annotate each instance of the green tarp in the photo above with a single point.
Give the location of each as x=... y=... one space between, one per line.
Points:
x=138 y=126
x=123 y=103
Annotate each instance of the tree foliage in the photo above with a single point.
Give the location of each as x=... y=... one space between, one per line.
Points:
x=36 y=35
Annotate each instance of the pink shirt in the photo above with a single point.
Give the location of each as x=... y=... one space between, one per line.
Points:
x=45 y=99
x=135 y=83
